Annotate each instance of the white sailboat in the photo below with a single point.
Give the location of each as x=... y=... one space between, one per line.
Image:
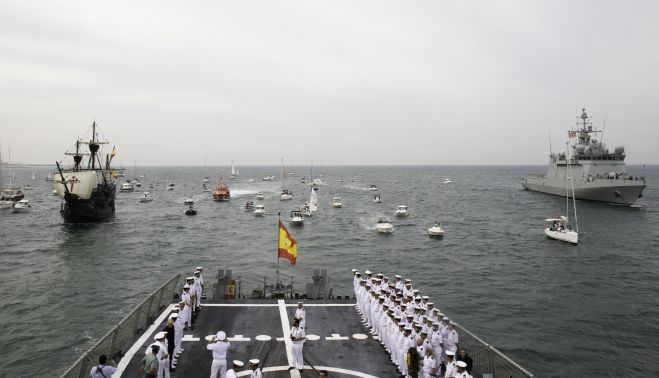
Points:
x=234 y=172
x=559 y=228
x=285 y=193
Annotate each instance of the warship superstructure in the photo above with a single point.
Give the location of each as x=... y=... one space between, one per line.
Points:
x=597 y=173
x=88 y=191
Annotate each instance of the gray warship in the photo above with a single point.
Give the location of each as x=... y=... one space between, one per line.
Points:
x=597 y=173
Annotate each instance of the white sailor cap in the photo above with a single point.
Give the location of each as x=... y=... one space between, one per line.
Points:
x=409 y=316
x=200 y=268
x=368 y=272
x=238 y=363
x=461 y=364
x=176 y=309
x=353 y=270
x=254 y=361
x=445 y=319
x=221 y=335
x=408 y=281
x=382 y=297
x=197 y=272
x=408 y=328
x=300 y=303
x=451 y=323
x=430 y=304
x=410 y=295
x=186 y=286
x=424 y=332
x=425 y=297
x=173 y=316
x=385 y=278
x=401 y=324
x=398 y=276
x=190 y=278
x=402 y=304
x=160 y=335
x=450 y=353
x=416 y=291
x=435 y=324
x=380 y=275
x=357 y=274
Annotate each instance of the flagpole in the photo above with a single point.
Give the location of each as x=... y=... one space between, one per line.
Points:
x=278 y=223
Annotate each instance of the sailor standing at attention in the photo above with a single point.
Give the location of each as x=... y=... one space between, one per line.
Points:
x=198 y=290
x=237 y=366
x=219 y=346
x=186 y=298
x=301 y=314
x=256 y=370
x=399 y=283
x=298 y=338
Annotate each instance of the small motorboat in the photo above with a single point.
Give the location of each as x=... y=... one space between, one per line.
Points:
x=206 y=180
x=259 y=196
x=296 y=218
x=136 y=183
x=146 y=197
x=306 y=210
x=259 y=211
x=269 y=178
x=249 y=205
x=447 y=181
x=170 y=186
x=6 y=205
x=190 y=210
x=286 y=195
x=337 y=202
x=21 y=206
x=126 y=187
x=188 y=201
x=372 y=188
x=384 y=226
x=436 y=230
x=377 y=199
x=303 y=180
x=401 y=211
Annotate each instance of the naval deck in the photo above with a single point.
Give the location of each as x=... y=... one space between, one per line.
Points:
x=337 y=341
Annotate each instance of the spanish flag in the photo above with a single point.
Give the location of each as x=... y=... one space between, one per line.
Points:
x=287 y=245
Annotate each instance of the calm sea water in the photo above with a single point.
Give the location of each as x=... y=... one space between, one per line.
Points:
x=559 y=310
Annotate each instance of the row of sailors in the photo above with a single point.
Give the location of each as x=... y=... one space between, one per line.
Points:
x=401 y=319
x=168 y=341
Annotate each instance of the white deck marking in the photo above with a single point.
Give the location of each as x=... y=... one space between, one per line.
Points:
x=276 y=305
x=336 y=336
x=189 y=338
x=238 y=338
x=359 y=336
x=307 y=367
x=280 y=339
x=313 y=337
x=125 y=360
x=286 y=330
x=263 y=338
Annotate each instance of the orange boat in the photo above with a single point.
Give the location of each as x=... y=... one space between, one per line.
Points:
x=221 y=192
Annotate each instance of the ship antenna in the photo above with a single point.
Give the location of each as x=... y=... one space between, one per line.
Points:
x=549 y=132
x=603 y=126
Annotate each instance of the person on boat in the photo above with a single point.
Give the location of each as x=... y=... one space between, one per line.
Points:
x=102 y=370
x=429 y=366
x=298 y=337
x=464 y=356
x=170 y=335
x=187 y=300
x=461 y=367
x=451 y=368
x=198 y=290
x=256 y=370
x=150 y=361
x=237 y=366
x=178 y=333
x=219 y=346
x=301 y=314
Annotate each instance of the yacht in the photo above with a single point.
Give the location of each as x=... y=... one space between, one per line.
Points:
x=126 y=187
x=296 y=218
x=285 y=195
x=188 y=201
x=401 y=211
x=560 y=229
x=384 y=226
x=436 y=230
x=221 y=192
x=259 y=210
x=21 y=206
x=146 y=197
x=337 y=202
x=190 y=210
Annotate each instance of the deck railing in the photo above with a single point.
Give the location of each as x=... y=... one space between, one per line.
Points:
x=488 y=361
x=117 y=341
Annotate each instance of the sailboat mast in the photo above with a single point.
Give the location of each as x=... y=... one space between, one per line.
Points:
x=574 y=202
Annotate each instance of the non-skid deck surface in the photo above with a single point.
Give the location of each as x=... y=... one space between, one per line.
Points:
x=337 y=341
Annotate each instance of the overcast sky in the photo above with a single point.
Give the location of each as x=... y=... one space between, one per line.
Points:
x=337 y=82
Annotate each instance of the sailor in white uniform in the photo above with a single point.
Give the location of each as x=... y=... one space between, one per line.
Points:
x=407 y=290
x=407 y=344
x=451 y=342
x=429 y=364
x=219 y=345
x=237 y=366
x=162 y=356
x=436 y=342
x=451 y=367
x=399 y=283
x=301 y=314
x=198 y=289
x=186 y=297
x=461 y=373
x=298 y=338
x=256 y=370
x=369 y=277
x=178 y=329
x=180 y=321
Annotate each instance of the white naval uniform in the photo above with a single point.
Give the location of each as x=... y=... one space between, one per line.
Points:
x=219 y=358
x=256 y=373
x=428 y=365
x=179 y=324
x=231 y=374
x=399 y=285
x=301 y=314
x=451 y=370
x=436 y=342
x=187 y=298
x=197 y=290
x=464 y=374
x=163 y=364
x=409 y=343
x=298 y=333
x=451 y=341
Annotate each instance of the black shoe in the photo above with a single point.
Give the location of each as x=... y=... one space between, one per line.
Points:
x=291 y=368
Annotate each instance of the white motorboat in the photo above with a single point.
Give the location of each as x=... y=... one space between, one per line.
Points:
x=6 y=204
x=259 y=210
x=337 y=202
x=252 y=179
x=126 y=187
x=401 y=211
x=285 y=195
x=384 y=226
x=259 y=196
x=296 y=218
x=436 y=230
x=559 y=228
x=136 y=183
x=206 y=180
x=146 y=197
x=318 y=182
x=170 y=186
x=188 y=201
x=21 y=206
x=306 y=210
x=377 y=199
x=269 y=178
x=447 y=181
x=373 y=188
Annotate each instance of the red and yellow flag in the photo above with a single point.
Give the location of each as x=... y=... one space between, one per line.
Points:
x=287 y=245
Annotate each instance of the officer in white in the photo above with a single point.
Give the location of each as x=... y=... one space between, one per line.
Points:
x=462 y=373
x=219 y=345
x=198 y=289
x=237 y=366
x=399 y=283
x=178 y=329
x=301 y=314
x=186 y=297
x=451 y=367
x=451 y=342
x=298 y=338
x=256 y=370
x=181 y=320
x=429 y=364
